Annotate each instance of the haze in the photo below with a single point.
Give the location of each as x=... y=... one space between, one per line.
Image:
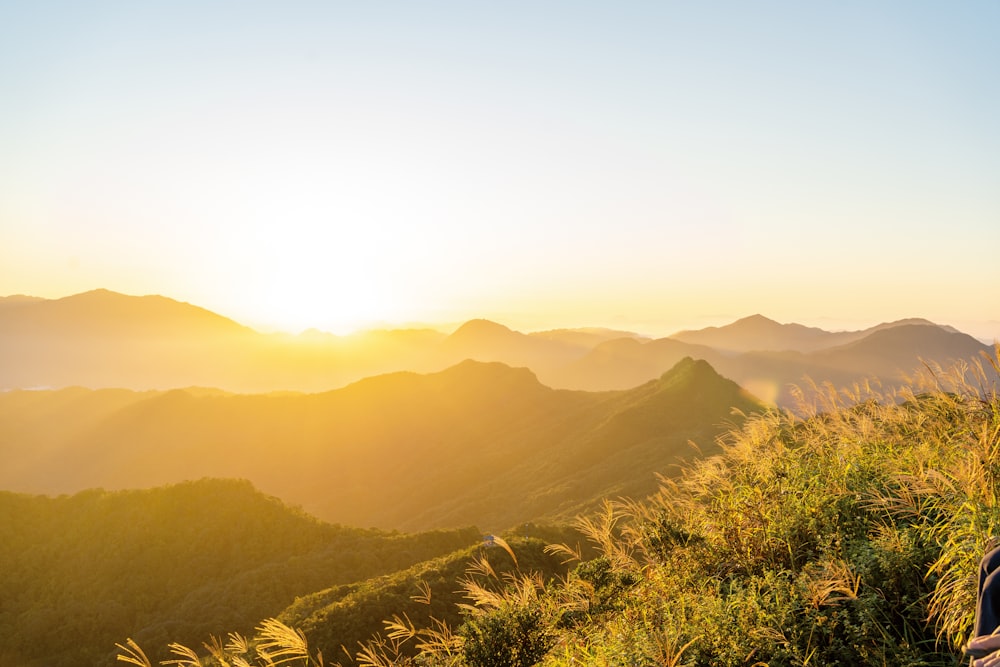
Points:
x=647 y=166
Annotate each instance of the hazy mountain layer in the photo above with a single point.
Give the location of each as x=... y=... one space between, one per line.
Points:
x=758 y=333
x=885 y=353
x=481 y=444
x=103 y=339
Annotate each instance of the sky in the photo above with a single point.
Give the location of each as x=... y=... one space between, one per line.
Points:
x=643 y=165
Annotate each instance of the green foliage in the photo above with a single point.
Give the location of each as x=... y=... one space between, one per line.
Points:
x=339 y=620
x=512 y=636
x=173 y=564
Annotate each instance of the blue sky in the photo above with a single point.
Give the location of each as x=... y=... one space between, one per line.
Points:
x=647 y=165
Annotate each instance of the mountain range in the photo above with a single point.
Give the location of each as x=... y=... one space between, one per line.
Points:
x=103 y=339
x=413 y=430
x=477 y=444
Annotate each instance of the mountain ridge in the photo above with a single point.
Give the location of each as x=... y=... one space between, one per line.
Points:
x=479 y=443
x=72 y=343
x=103 y=311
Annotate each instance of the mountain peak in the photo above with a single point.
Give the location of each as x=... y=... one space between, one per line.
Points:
x=480 y=327
x=476 y=336
x=757 y=320
x=911 y=321
x=113 y=314
x=689 y=370
x=19 y=299
x=99 y=292
x=488 y=372
x=755 y=333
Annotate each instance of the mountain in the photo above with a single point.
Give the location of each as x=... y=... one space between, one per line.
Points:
x=901 y=348
x=478 y=443
x=105 y=339
x=483 y=340
x=650 y=428
x=887 y=352
x=110 y=314
x=757 y=333
x=18 y=299
x=627 y=362
x=85 y=571
x=36 y=427
x=101 y=339
x=587 y=337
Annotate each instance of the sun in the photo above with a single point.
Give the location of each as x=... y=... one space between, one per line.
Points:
x=296 y=299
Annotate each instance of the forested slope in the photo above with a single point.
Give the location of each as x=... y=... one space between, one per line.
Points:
x=178 y=563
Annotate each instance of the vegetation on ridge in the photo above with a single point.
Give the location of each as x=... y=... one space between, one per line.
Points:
x=850 y=536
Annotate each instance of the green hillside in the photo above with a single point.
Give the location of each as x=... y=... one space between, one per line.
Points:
x=848 y=537
x=337 y=621
x=171 y=564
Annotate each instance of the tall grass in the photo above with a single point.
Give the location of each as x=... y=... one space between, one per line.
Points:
x=846 y=532
x=274 y=644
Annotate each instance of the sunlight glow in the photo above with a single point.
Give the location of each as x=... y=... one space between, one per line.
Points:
x=654 y=164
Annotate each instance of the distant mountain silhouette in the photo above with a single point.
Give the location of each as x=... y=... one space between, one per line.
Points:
x=18 y=299
x=478 y=443
x=757 y=333
x=104 y=339
x=105 y=313
x=483 y=340
x=888 y=352
x=900 y=348
x=627 y=362
x=476 y=332
x=587 y=337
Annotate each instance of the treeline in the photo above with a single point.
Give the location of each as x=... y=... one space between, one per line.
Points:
x=172 y=564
